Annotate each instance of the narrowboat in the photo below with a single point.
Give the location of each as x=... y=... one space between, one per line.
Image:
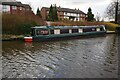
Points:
x=118 y=29
x=42 y=33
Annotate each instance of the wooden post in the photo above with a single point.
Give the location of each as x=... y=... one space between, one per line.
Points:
x=116 y=11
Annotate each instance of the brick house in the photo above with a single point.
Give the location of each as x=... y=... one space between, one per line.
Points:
x=119 y=15
x=65 y=13
x=16 y=8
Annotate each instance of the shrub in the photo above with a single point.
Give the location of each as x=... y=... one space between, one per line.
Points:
x=110 y=26
x=25 y=28
x=74 y=23
x=0 y=25
x=119 y=23
x=19 y=24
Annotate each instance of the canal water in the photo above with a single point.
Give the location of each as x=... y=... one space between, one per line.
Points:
x=79 y=58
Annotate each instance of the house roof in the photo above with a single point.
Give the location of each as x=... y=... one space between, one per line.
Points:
x=67 y=10
x=16 y=4
x=26 y=6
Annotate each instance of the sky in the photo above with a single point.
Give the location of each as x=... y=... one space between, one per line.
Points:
x=98 y=6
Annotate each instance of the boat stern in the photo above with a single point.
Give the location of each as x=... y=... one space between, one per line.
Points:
x=28 y=39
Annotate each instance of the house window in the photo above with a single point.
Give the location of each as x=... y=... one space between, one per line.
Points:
x=47 y=12
x=5 y=8
x=61 y=12
x=20 y=8
x=0 y=8
x=72 y=14
x=83 y=15
x=76 y=19
x=76 y=14
x=14 y=7
x=66 y=13
x=81 y=19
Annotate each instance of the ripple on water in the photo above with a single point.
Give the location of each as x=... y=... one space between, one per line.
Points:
x=72 y=58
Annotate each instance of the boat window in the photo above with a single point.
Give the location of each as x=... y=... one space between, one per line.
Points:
x=98 y=29
x=42 y=32
x=56 y=31
x=101 y=29
x=33 y=32
x=80 y=30
x=89 y=29
x=93 y=29
x=70 y=31
x=74 y=30
x=63 y=31
x=51 y=31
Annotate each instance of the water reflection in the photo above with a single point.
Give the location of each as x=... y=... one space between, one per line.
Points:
x=82 y=58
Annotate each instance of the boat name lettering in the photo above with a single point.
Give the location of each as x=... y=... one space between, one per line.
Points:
x=43 y=32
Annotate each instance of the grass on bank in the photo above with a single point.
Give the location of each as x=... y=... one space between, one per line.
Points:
x=109 y=26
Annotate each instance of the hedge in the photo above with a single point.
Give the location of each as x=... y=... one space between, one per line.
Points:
x=19 y=24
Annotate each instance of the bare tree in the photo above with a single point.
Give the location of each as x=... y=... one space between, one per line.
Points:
x=113 y=10
x=98 y=17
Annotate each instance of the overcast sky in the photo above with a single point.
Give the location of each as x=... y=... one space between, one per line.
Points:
x=98 y=6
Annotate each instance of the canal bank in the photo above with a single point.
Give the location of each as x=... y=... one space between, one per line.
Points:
x=118 y=45
x=6 y=37
x=81 y=58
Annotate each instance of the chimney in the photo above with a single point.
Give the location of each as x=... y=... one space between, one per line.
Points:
x=59 y=6
x=54 y=5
